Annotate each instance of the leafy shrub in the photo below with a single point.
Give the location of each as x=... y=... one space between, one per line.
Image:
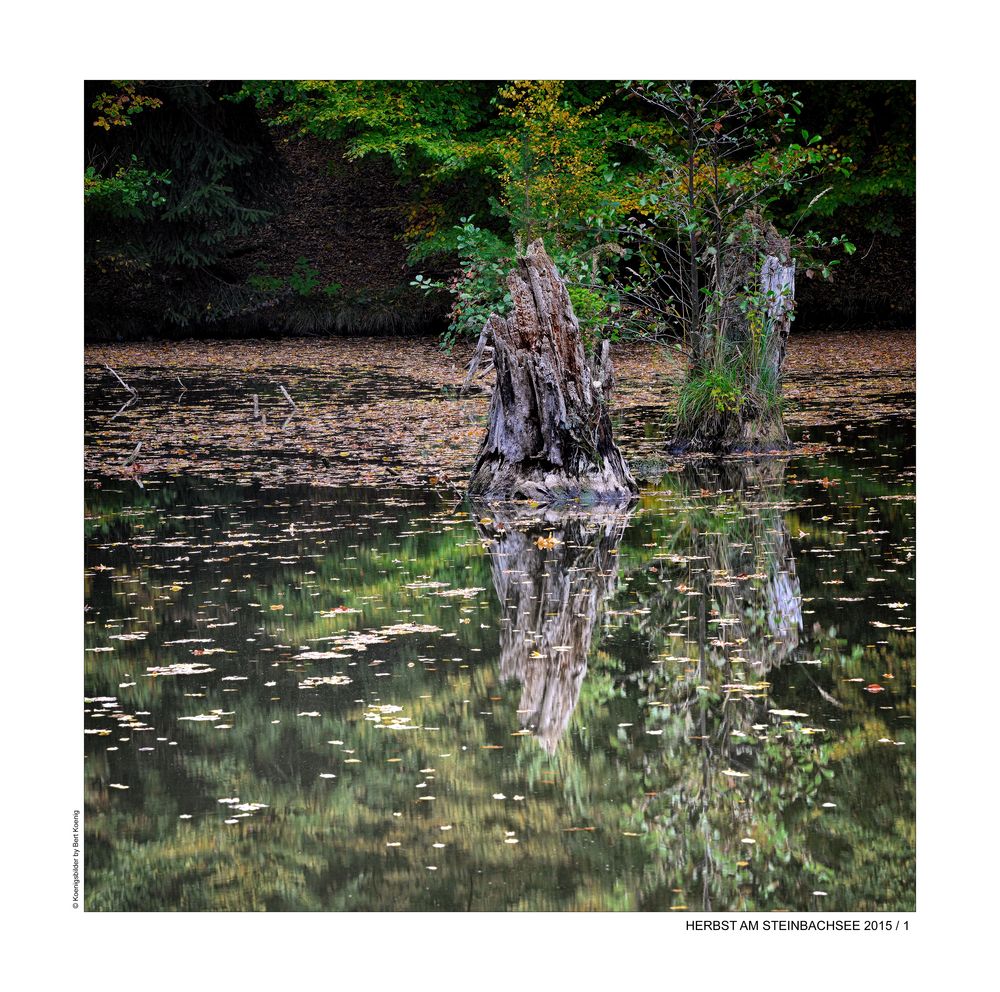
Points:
x=479 y=289
x=480 y=286
x=717 y=390
x=131 y=193
x=304 y=279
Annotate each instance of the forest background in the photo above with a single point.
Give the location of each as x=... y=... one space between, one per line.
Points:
x=250 y=208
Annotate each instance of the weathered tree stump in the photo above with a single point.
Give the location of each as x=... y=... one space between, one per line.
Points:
x=746 y=345
x=552 y=572
x=549 y=435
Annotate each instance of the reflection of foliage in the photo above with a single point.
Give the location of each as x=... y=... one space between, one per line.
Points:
x=751 y=775
x=671 y=759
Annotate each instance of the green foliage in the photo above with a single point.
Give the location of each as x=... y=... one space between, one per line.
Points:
x=478 y=289
x=701 y=200
x=564 y=161
x=718 y=389
x=303 y=281
x=131 y=193
x=627 y=183
x=117 y=108
x=595 y=312
x=417 y=123
x=873 y=123
x=533 y=157
x=262 y=281
x=702 y=234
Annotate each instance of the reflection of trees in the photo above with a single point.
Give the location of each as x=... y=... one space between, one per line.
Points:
x=729 y=608
x=753 y=569
x=726 y=613
x=740 y=585
x=650 y=774
x=552 y=573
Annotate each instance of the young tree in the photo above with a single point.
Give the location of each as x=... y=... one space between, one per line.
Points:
x=707 y=257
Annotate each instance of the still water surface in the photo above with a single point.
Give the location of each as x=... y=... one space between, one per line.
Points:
x=357 y=699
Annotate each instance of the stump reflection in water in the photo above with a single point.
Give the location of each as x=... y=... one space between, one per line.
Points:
x=737 y=612
x=729 y=615
x=553 y=572
x=750 y=578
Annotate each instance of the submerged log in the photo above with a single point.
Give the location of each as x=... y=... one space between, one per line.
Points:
x=549 y=436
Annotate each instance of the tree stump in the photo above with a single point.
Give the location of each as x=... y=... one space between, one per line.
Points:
x=549 y=435
x=744 y=347
x=552 y=571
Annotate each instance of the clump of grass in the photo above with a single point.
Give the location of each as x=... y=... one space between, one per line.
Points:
x=715 y=390
x=735 y=400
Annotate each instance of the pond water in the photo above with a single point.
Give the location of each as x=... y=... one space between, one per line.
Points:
x=371 y=698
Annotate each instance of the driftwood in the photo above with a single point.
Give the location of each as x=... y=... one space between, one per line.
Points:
x=124 y=384
x=549 y=436
x=135 y=454
x=284 y=392
x=133 y=395
x=552 y=574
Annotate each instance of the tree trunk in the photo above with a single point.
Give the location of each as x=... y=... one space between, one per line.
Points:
x=778 y=278
x=549 y=435
x=552 y=574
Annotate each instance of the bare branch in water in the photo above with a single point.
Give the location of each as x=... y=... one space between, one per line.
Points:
x=121 y=380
